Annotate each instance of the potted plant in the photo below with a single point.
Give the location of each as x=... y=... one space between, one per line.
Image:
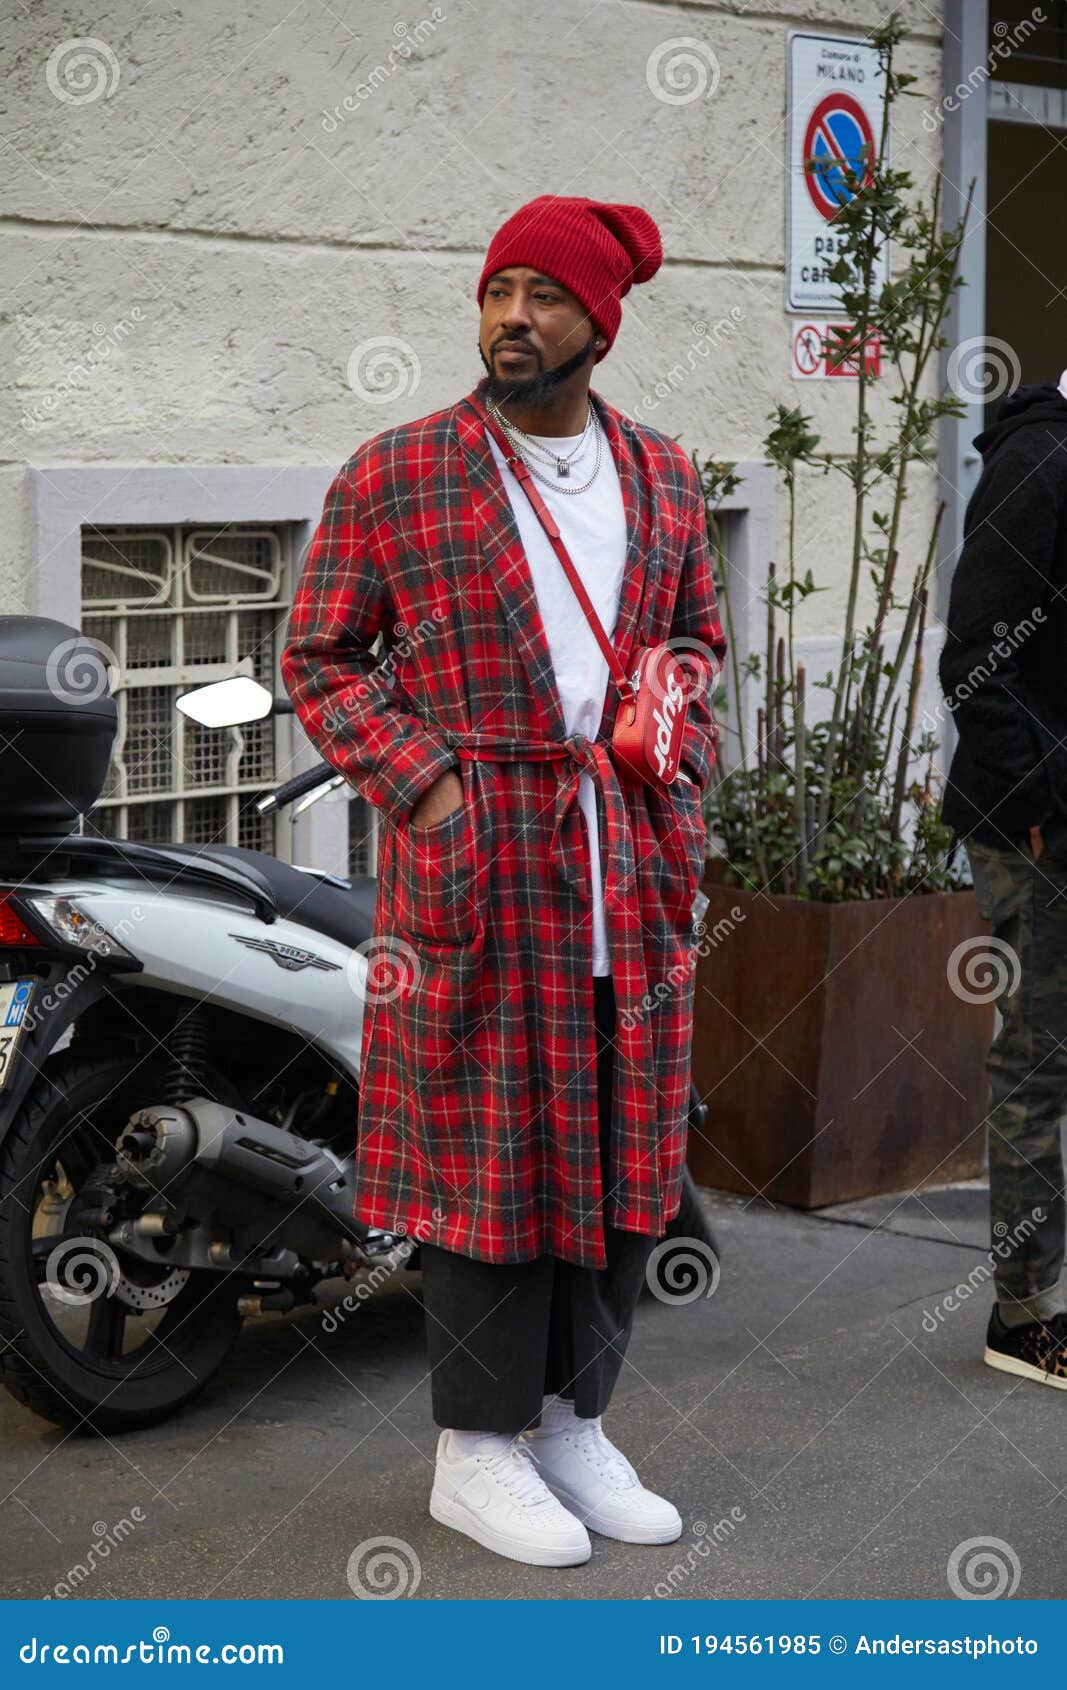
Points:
x=837 y=1041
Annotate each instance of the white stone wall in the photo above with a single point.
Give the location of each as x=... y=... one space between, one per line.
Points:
x=200 y=258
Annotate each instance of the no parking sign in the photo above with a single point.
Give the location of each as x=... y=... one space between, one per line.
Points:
x=834 y=117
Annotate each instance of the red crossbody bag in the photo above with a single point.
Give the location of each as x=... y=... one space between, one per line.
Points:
x=646 y=741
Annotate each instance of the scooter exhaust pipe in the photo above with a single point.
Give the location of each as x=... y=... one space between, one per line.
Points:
x=221 y=1162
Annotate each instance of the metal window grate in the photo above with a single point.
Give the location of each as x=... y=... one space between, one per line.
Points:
x=180 y=607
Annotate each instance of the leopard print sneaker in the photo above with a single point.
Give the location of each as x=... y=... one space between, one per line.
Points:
x=1037 y=1350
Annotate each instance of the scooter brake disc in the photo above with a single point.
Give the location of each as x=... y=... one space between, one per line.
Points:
x=156 y=1295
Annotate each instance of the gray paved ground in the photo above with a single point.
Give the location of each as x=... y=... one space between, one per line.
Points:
x=855 y=1448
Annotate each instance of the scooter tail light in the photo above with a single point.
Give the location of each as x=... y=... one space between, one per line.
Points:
x=13 y=930
x=71 y=924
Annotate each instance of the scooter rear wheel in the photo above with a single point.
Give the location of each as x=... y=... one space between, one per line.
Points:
x=90 y=1336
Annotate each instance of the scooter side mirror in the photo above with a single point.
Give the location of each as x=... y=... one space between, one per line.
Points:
x=227 y=704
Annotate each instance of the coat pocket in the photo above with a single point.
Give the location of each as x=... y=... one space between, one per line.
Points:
x=435 y=878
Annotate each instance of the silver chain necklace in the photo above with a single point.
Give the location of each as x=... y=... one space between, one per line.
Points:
x=563 y=464
x=535 y=445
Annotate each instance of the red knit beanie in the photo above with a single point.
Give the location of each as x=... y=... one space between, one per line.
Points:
x=595 y=249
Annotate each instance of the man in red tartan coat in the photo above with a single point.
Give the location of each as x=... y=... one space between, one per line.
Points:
x=526 y=1043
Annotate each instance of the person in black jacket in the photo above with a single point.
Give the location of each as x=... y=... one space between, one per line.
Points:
x=1003 y=671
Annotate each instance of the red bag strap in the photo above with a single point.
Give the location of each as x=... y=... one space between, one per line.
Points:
x=520 y=469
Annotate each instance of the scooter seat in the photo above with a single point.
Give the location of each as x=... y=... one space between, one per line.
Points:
x=342 y=913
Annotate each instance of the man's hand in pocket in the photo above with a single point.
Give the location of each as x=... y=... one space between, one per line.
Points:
x=438 y=801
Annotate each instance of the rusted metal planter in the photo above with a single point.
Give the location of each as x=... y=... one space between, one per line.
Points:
x=835 y=1058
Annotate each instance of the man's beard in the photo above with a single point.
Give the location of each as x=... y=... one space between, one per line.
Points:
x=536 y=391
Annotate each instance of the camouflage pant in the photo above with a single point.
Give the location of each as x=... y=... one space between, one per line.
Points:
x=1026 y=902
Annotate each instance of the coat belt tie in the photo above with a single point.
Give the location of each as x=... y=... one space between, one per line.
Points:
x=576 y=754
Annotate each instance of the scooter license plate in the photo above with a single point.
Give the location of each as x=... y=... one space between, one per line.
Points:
x=15 y=998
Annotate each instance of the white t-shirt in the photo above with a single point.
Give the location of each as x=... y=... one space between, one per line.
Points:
x=593 y=526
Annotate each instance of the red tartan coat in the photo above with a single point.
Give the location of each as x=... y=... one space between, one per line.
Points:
x=478 y=1111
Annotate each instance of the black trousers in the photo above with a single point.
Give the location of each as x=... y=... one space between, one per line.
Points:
x=502 y=1336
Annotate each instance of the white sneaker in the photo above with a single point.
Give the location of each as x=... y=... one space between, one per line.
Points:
x=496 y=1496
x=583 y=1468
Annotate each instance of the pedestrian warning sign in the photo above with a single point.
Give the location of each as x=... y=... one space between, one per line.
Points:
x=823 y=350
x=834 y=118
